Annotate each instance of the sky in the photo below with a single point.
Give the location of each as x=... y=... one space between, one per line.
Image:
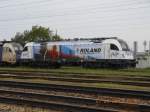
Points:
x=126 y=19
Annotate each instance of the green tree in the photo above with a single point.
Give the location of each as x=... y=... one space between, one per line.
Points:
x=18 y=38
x=56 y=37
x=37 y=33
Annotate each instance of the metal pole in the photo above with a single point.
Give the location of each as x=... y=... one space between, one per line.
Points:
x=135 y=48
x=149 y=47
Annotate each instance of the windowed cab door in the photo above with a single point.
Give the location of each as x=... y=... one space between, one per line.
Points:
x=121 y=57
x=27 y=54
x=120 y=53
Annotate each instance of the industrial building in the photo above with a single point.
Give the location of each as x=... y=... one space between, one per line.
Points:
x=143 y=59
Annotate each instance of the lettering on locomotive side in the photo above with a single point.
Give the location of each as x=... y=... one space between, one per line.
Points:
x=89 y=50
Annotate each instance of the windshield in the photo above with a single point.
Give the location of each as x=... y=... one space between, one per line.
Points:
x=124 y=45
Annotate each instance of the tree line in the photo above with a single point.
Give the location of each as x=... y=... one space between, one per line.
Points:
x=36 y=34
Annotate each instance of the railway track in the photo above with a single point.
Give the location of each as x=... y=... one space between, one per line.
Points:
x=80 y=89
x=53 y=101
x=75 y=103
x=79 y=75
x=72 y=104
x=136 y=81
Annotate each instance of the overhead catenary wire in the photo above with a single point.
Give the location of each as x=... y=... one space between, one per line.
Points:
x=72 y=13
x=100 y=18
x=27 y=4
x=24 y=4
x=43 y=18
x=114 y=24
x=101 y=5
x=95 y=9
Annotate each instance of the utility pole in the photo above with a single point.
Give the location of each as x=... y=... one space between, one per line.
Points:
x=56 y=32
x=145 y=44
x=135 y=47
x=149 y=47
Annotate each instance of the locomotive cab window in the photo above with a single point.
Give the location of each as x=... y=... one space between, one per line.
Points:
x=9 y=50
x=124 y=45
x=25 y=49
x=114 y=47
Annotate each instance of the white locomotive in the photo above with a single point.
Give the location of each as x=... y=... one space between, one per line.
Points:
x=110 y=52
x=100 y=52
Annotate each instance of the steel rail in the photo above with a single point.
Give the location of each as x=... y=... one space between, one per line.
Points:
x=81 y=80
x=72 y=75
x=74 y=101
x=78 y=89
x=52 y=106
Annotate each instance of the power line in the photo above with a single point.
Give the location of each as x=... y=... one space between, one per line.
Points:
x=104 y=4
x=97 y=8
x=62 y=15
x=92 y=9
x=110 y=16
x=28 y=3
x=5 y=0
x=125 y=9
x=96 y=21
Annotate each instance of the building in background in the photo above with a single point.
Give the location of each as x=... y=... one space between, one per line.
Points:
x=143 y=59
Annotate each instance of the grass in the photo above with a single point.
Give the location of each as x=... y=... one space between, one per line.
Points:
x=97 y=85
x=61 y=71
x=133 y=72
x=85 y=71
x=106 y=72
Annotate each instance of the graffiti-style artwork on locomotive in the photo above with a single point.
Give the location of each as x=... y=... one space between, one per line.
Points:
x=102 y=53
x=68 y=53
x=44 y=52
x=41 y=54
x=52 y=53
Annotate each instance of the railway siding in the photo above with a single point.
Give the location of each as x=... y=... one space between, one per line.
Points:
x=77 y=102
x=70 y=92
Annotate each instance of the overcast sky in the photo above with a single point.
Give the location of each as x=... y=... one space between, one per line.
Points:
x=126 y=19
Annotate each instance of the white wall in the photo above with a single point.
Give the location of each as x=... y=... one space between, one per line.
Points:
x=143 y=61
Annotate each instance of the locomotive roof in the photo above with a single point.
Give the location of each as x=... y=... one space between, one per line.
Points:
x=122 y=45
x=70 y=42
